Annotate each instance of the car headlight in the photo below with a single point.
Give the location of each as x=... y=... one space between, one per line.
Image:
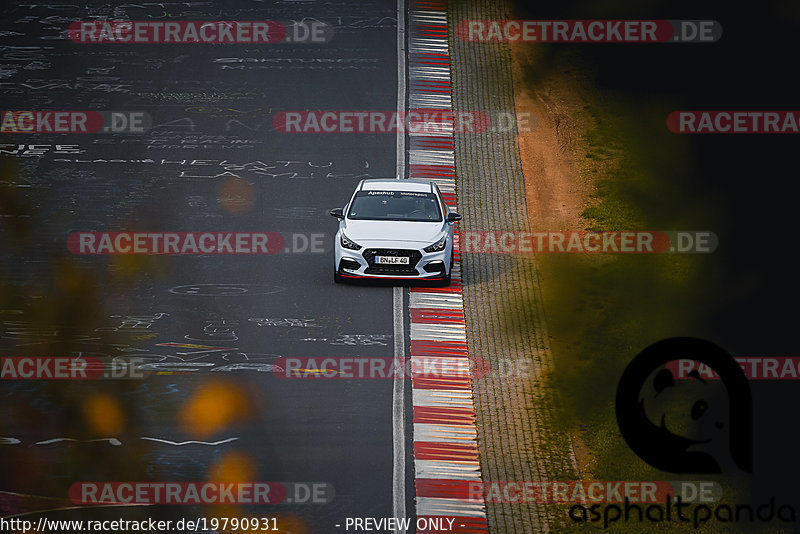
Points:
x=347 y=243
x=438 y=246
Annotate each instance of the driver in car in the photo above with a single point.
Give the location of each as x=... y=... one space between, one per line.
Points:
x=423 y=208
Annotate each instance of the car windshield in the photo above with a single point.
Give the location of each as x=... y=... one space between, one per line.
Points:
x=395 y=206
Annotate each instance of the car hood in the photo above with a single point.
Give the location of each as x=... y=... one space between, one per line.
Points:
x=398 y=231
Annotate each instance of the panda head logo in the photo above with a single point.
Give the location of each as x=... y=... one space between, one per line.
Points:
x=686 y=424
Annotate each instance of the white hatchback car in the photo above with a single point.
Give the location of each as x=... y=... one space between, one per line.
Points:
x=395 y=230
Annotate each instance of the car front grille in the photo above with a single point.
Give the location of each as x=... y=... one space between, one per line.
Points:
x=397 y=270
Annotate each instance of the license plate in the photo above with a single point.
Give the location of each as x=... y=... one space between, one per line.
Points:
x=392 y=260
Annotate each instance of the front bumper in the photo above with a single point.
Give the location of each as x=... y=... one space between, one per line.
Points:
x=421 y=265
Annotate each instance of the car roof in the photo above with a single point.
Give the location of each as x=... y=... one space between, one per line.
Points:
x=392 y=184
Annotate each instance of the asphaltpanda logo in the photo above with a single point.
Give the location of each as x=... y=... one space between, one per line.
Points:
x=687 y=424
x=682 y=423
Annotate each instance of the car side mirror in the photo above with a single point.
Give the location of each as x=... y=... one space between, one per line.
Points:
x=453 y=217
x=337 y=212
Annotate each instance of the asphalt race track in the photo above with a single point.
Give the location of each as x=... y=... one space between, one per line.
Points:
x=204 y=332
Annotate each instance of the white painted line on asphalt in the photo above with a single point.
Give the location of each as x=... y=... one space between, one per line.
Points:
x=453 y=301
x=436 y=469
x=449 y=507
x=445 y=433
x=438 y=332
x=442 y=399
